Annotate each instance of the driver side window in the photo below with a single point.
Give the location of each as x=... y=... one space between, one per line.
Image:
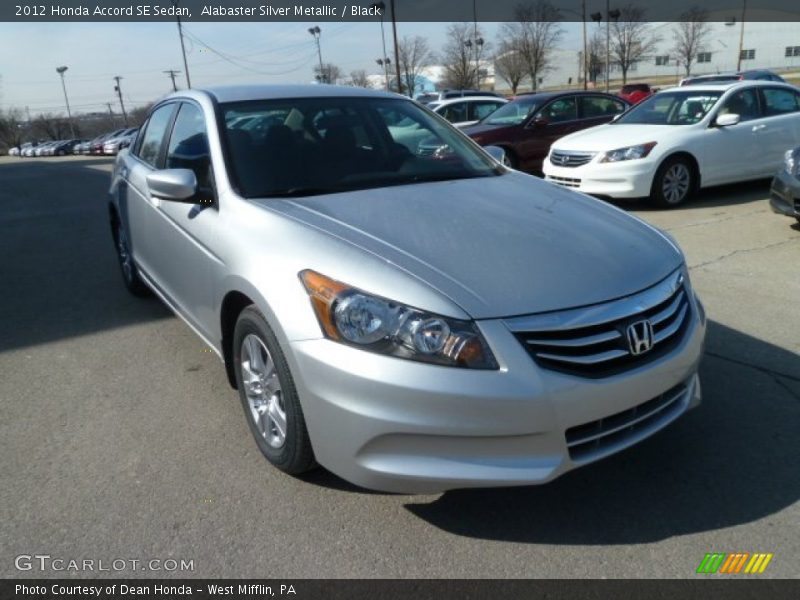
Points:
x=744 y=104
x=563 y=109
x=188 y=148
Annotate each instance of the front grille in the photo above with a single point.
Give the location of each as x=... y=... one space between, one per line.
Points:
x=562 y=158
x=594 y=341
x=593 y=440
x=565 y=181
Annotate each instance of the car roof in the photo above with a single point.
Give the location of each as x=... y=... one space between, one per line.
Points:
x=450 y=101
x=242 y=93
x=724 y=86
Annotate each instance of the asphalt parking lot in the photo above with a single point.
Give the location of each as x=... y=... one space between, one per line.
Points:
x=120 y=437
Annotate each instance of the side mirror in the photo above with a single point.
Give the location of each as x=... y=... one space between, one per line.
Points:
x=616 y=117
x=178 y=185
x=727 y=120
x=497 y=153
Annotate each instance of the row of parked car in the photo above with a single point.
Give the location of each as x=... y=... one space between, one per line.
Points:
x=106 y=144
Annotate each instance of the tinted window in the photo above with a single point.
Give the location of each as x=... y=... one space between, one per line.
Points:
x=563 y=109
x=744 y=104
x=514 y=112
x=154 y=135
x=600 y=106
x=188 y=146
x=325 y=145
x=778 y=101
x=671 y=108
x=481 y=110
x=455 y=113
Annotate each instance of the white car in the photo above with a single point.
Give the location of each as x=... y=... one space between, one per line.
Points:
x=680 y=140
x=466 y=111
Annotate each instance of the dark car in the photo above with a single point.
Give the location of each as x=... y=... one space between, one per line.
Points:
x=526 y=127
x=752 y=74
x=785 y=193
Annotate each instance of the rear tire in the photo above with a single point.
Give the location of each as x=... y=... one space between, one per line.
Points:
x=674 y=182
x=268 y=395
x=510 y=160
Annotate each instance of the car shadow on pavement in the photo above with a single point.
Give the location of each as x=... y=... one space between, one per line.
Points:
x=723 y=195
x=733 y=460
x=60 y=274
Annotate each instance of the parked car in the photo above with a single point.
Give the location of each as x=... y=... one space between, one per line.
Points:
x=634 y=93
x=116 y=143
x=680 y=140
x=413 y=324
x=466 y=111
x=525 y=128
x=96 y=145
x=753 y=74
x=82 y=147
x=785 y=191
x=27 y=149
x=64 y=147
x=13 y=151
x=43 y=148
x=429 y=97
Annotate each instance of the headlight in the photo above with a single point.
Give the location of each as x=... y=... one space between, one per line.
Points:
x=628 y=153
x=791 y=162
x=351 y=316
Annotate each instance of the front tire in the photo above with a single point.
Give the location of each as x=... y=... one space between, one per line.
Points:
x=268 y=395
x=130 y=274
x=674 y=182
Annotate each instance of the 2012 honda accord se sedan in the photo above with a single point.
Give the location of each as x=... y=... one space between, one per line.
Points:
x=412 y=323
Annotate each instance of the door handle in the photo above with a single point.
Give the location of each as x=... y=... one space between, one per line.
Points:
x=759 y=127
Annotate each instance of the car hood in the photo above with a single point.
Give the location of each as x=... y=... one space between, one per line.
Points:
x=497 y=246
x=483 y=128
x=616 y=135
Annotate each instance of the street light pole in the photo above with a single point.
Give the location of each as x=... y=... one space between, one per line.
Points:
x=585 y=53
x=380 y=7
x=61 y=71
x=396 y=51
x=741 y=36
x=316 y=31
x=118 y=89
x=608 y=44
x=183 y=47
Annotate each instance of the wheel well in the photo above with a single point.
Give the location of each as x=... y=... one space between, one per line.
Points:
x=232 y=305
x=113 y=218
x=692 y=161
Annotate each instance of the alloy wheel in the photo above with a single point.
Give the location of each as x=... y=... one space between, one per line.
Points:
x=676 y=183
x=263 y=391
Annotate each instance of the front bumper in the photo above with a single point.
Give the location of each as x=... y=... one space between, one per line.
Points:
x=401 y=426
x=784 y=197
x=624 y=179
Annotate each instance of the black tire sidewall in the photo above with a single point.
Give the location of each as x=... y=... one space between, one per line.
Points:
x=134 y=284
x=656 y=192
x=295 y=456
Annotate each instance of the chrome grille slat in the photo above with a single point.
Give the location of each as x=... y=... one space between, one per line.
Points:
x=577 y=342
x=590 y=359
x=667 y=312
x=564 y=181
x=564 y=158
x=593 y=341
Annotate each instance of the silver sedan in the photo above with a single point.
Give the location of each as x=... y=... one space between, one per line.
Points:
x=411 y=321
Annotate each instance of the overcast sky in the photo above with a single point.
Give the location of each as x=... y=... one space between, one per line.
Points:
x=140 y=52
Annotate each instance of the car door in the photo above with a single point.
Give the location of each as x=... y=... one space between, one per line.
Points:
x=733 y=153
x=780 y=127
x=554 y=120
x=136 y=204
x=184 y=232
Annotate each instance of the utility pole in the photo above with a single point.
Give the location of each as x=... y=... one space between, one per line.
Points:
x=585 y=53
x=110 y=111
x=396 y=51
x=175 y=3
x=384 y=60
x=171 y=74
x=741 y=36
x=316 y=32
x=61 y=71
x=118 y=89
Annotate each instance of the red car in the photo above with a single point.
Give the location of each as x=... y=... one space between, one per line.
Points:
x=526 y=127
x=636 y=92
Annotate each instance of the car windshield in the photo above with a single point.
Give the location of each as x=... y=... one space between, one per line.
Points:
x=671 y=108
x=513 y=113
x=308 y=146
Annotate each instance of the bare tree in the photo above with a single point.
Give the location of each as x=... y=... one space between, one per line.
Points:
x=462 y=54
x=510 y=65
x=534 y=35
x=51 y=127
x=12 y=128
x=328 y=73
x=690 y=34
x=414 y=56
x=137 y=116
x=597 y=56
x=631 y=39
x=360 y=78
